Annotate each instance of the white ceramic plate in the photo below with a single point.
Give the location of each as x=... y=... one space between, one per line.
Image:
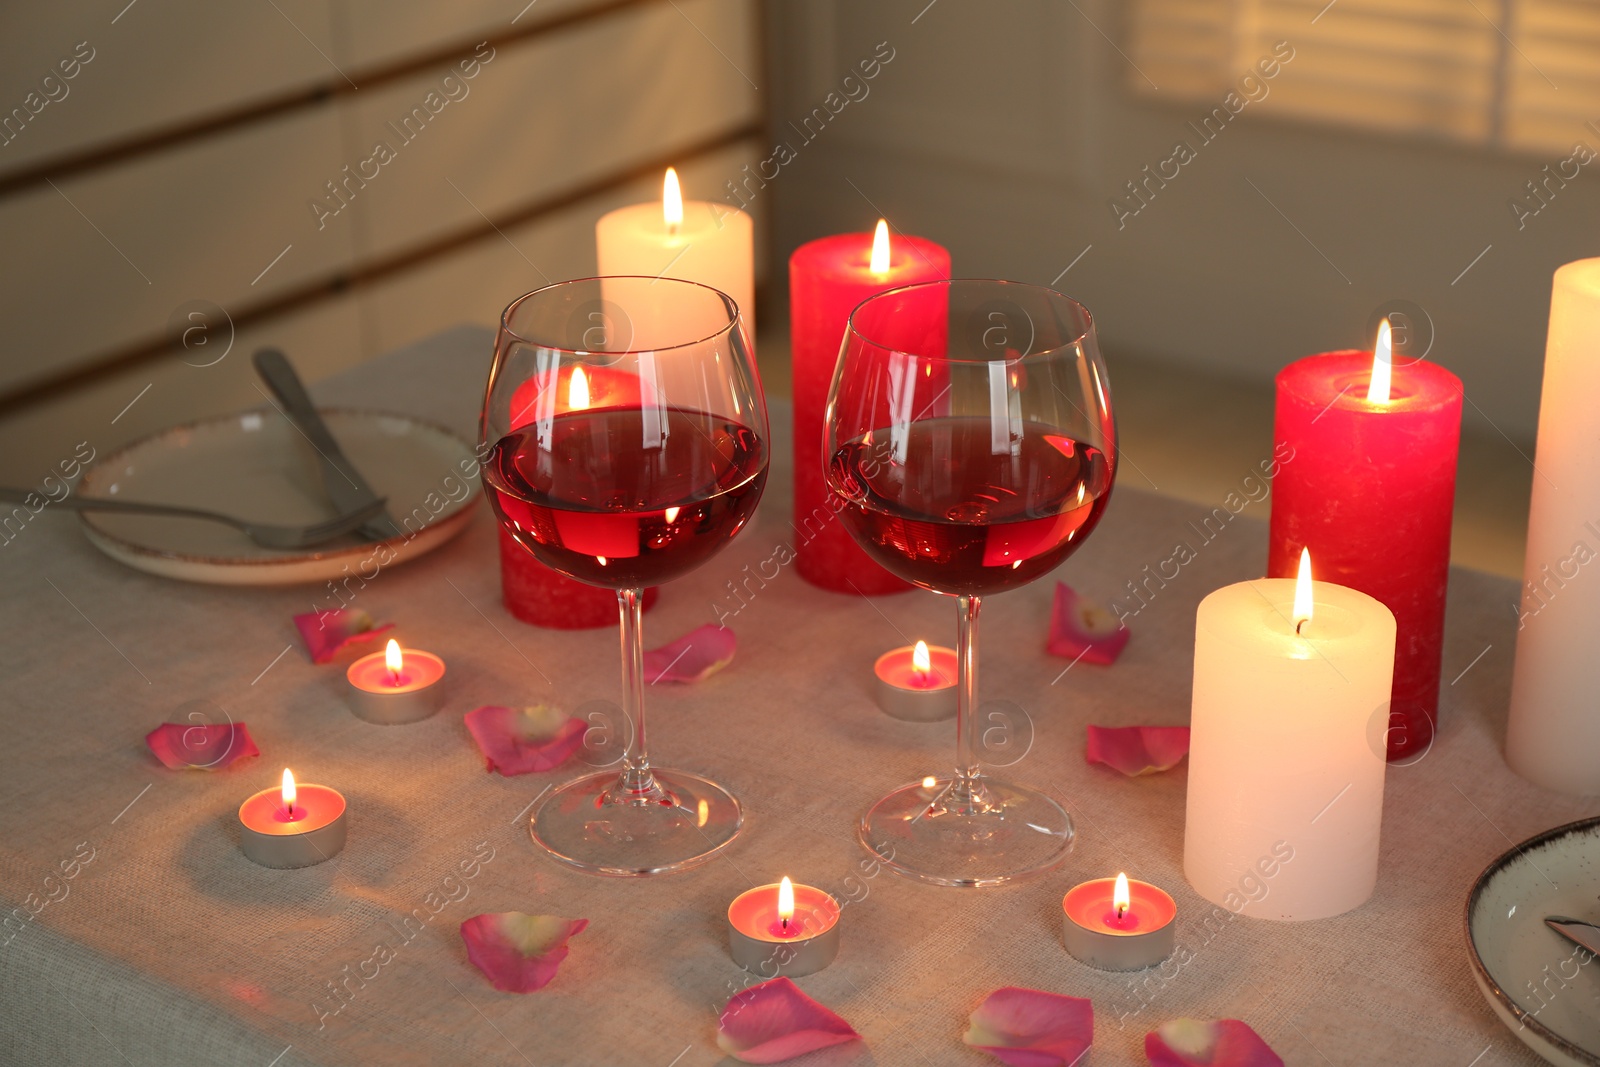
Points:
x=257 y=466
x=1534 y=978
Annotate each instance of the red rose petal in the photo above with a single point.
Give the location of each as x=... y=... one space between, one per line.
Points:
x=539 y=738
x=1032 y=1028
x=692 y=658
x=518 y=953
x=327 y=633
x=1202 y=1043
x=206 y=747
x=774 y=1021
x=1136 y=750
x=1081 y=629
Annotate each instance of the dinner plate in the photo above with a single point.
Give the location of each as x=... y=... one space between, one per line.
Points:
x=258 y=466
x=1542 y=986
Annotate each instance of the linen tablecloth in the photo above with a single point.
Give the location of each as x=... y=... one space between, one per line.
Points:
x=169 y=947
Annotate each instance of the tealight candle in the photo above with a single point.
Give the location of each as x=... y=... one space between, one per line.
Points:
x=917 y=683
x=396 y=685
x=783 y=929
x=1118 y=924
x=292 y=826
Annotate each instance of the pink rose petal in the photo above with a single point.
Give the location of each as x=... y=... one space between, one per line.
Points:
x=518 y=953
x=327 y=633
x=692 y=658
x=1136 y=750
x=539 y=738
x=1031 y=1028
x=1081 y=629
x=774 y=1021
x=1202 y=1043
x=206 y=747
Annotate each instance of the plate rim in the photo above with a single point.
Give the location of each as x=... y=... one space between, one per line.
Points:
x=1485 y=979
x=286 y=559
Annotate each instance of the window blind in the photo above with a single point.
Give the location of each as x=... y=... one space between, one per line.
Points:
x=1515 y=74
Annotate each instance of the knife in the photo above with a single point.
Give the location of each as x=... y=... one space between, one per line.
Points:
x=1580 y=933
x=345 y=486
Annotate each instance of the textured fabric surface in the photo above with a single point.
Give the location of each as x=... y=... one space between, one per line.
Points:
x=169 y=947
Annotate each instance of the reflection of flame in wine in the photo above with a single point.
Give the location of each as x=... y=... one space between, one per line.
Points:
x=671 y=515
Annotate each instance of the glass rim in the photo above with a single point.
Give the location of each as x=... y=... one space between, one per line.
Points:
x=851 y=329
x=505 y=316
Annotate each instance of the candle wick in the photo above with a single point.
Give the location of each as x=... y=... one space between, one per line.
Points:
x=1300 y=627
x=785 y=925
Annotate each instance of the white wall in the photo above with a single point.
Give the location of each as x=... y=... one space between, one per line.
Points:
x=1002 y=129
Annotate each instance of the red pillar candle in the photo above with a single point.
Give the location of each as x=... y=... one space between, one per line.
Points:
x=827 y=279
x=533 y=592
x=1368 y=485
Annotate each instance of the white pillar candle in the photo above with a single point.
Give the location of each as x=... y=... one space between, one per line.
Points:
x=1554 y=732
x=1286 y=756
x=698 y=241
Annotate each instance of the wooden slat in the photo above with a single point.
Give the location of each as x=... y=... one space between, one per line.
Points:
x=152 y=347
x=122 y=147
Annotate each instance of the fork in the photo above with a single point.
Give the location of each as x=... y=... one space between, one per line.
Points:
x=264 y=534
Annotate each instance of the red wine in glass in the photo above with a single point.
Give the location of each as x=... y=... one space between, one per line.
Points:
x=963 y=514
x=625 y=497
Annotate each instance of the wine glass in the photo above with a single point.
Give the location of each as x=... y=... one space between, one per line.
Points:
x=625 y=437
x=970 y=437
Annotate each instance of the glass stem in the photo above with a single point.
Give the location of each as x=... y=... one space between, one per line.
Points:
x=637 y=783
x=965 y=795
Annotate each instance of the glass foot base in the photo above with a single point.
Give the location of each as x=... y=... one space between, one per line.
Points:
x=999 y=834
x=587 y=824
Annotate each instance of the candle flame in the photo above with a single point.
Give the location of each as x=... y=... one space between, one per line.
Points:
x=1121 y=899
x=785 y=900
x=671 y=201
x=920 y=660
x=1382 y=358
x=929 y=782
x=880 y=248
x=391 y=656
x=288 y=791
x=1302 y=593
x=578 y=390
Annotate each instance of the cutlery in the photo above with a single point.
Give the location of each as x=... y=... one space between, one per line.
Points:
x=264 y=534
x=1580 y=933
x=345 y=486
